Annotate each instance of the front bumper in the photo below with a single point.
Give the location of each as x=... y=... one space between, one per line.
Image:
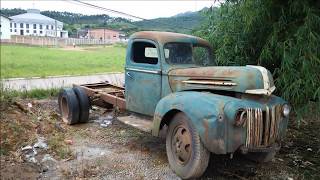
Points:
x=272 y=148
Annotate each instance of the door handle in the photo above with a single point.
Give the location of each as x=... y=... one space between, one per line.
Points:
x=129 y=75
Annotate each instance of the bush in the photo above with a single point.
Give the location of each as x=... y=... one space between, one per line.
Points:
x=283 y=36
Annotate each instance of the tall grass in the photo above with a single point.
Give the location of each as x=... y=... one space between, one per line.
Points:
x=8 y=96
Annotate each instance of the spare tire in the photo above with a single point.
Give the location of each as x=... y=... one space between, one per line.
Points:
x=84 y=104
x=68 y=106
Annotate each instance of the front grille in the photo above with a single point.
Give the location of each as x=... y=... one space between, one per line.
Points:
x=262 y=126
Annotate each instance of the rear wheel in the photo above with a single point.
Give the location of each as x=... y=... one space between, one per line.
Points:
x=68 y=106
x=187 y=156
x=83 y=104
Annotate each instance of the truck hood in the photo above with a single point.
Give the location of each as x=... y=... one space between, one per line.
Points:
x=244 y=79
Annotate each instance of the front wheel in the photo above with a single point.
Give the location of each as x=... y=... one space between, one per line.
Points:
x=187 y=156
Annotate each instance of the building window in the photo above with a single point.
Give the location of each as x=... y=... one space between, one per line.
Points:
x=114 y=36
x=10 y=30
x=27 y=25
x=35 y=31
x=47 y=27
x=15 y=25
x=40 y=32
x=10 y=25
x=27 y=31
x=34 y=26
x=15 y=30
x=40 y=26
x=21 y=25
x=51 y=26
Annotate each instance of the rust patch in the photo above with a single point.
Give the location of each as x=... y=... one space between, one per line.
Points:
x=206 y=129
x=106 y=92
x=165 y=37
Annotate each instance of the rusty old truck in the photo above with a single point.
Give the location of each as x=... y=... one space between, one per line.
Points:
x=174 y=87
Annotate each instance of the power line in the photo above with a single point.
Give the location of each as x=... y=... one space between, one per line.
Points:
x=109 y=10
x=122 y=13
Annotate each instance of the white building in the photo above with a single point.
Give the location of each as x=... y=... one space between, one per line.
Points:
x=35 y=24
x=5 y=27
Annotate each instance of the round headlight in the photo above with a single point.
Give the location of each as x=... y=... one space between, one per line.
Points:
x=286 y=110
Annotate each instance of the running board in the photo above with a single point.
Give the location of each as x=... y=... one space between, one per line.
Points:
x=140 y=123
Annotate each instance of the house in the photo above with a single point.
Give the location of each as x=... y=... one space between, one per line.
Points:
x=123 y=37
x=35 y=24
x=82 y=33
x=5 y=27
x=103 y=34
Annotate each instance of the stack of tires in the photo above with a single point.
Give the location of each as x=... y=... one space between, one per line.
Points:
x=74 y=105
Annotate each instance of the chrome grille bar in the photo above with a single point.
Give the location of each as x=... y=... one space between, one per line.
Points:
x=262 y=126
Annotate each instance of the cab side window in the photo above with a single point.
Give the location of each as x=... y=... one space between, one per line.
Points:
x=144 y=52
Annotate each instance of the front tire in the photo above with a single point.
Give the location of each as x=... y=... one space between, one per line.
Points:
x=187 y=156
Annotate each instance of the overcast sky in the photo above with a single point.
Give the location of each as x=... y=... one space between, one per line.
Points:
x=146 y=9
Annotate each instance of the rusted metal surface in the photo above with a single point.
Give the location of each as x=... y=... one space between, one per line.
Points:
x=262 y=130
x=138 y=122
x=214 y=116
x=109 y=93
x=165 y=37
x=181 y=144
x=224 y=122
x=224 y=78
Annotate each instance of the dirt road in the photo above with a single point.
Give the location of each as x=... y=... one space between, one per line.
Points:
x=121 y=152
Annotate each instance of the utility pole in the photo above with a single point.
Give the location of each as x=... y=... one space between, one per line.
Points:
x=104 y=32
x=55 y=24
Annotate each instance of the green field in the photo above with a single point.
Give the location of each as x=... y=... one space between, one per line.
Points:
x=23 y=61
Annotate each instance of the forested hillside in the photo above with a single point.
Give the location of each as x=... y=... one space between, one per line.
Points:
x=184 y=22
x=73 y=21
x=283 y=36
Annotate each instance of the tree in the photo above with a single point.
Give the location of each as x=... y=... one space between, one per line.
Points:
x=283 y=36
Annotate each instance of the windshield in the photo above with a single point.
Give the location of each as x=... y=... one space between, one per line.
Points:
x=186 y=53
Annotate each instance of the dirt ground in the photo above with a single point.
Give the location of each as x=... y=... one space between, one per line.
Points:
x=90 y=151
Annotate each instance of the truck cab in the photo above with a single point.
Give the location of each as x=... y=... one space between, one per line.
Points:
x=173 y=85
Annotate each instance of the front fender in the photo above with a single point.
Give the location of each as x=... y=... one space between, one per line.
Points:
x=205 y=111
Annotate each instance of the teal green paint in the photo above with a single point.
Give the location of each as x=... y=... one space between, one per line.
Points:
x=144 y=90
x=156 y=94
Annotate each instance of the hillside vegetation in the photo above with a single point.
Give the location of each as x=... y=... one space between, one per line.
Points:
x=183 y=23
x=283 y=36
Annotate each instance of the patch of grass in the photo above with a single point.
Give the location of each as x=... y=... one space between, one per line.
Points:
x=25 y=61
x=8 y=95
x=57 y=145
x=38 y=93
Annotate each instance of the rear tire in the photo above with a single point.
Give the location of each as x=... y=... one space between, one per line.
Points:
x=187 y=156
x=68 y=106
x=83 y=104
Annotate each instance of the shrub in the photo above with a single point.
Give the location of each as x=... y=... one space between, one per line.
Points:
x=283 y=36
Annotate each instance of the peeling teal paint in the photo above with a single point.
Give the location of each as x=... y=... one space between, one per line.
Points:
x=213 y=115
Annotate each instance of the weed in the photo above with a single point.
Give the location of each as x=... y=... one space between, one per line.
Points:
x=57 y=145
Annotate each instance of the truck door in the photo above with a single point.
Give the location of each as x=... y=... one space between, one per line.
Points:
x=142 y=76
